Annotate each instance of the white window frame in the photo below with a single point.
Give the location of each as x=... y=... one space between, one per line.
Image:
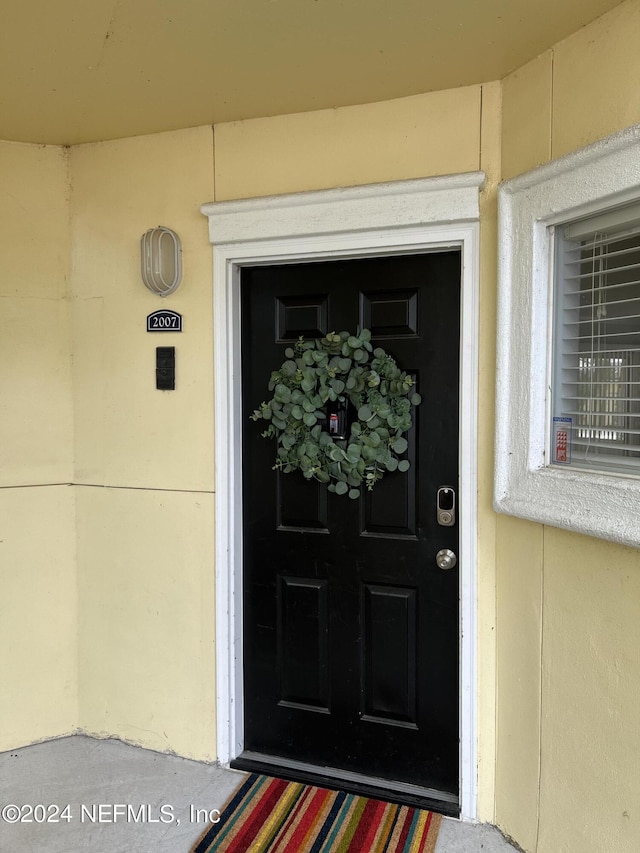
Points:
x=592 y=180
x=380 y=219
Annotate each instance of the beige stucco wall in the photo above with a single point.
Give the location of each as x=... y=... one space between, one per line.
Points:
x=35 y=396
x=434 y=134
x=144 y=458
x=569 y=605
x=38 y=613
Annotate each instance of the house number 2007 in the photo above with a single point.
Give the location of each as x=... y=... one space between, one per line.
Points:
x=164 y=321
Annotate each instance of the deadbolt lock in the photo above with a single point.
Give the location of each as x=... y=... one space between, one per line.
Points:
x=446 y=506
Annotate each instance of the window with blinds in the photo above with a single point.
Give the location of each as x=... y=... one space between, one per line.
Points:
x=596 y=358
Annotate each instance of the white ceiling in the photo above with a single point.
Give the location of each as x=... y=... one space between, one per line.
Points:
x=75 y=71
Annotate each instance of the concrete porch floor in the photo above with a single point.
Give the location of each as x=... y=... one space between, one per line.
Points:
x=85 y=773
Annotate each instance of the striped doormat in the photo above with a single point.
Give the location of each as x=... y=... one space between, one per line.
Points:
x=269 y=815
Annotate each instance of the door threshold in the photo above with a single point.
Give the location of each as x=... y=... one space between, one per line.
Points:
x=393 y=791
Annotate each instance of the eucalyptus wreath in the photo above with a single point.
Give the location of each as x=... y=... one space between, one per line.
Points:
x=346 y=368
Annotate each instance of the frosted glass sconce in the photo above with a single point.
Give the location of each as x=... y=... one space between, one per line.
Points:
x=161 y=260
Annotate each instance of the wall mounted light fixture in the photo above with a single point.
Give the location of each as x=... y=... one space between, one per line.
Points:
x=161 y=260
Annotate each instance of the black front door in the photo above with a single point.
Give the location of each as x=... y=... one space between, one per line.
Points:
x=350 y=628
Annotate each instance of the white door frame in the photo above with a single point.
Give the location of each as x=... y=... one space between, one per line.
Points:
x=381 y=219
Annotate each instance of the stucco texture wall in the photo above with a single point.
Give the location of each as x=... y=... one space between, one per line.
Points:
x=568 y=605
x=37 y=548
x=144 y=458
x=425 y=135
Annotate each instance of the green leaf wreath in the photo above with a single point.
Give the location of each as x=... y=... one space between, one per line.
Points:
x=339 y=367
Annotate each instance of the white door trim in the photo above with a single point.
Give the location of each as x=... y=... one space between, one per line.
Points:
x=383 y=219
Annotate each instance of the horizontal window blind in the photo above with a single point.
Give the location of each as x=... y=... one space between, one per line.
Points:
x=596 y=348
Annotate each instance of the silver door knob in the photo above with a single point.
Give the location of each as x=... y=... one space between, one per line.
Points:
x=446 y=559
